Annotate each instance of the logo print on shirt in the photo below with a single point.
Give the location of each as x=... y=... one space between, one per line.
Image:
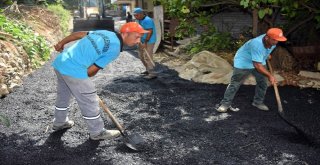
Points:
x=95 y=46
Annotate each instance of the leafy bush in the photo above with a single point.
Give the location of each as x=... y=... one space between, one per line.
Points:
x=185 y=29
x=212 y=40
x=35 y=46
x=55 y=2
x=191 y=19
x=5 y=3
x=64 y=16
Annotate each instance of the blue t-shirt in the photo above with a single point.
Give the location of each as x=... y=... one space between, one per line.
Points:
x=147 y=23
x=97 y=48
x=252 y=50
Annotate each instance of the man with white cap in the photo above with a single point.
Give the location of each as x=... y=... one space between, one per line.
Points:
x=251 y=59
x=75 y=65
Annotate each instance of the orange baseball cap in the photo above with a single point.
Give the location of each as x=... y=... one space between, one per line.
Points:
x=132 y=27
x=276 y=34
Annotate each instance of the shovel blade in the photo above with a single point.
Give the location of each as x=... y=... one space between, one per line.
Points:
x=134 y=141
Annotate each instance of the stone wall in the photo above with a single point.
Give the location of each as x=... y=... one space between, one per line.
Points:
x=14 y=64
x=14 y=61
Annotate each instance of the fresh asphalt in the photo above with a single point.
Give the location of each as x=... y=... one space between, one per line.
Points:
x=176 y=118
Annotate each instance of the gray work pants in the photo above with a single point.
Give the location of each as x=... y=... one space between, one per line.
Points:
x=237 y=79
x=85 y=94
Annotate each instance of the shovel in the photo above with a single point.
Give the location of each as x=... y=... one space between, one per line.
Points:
x=134 y=141
x=149 y=57
x=276 y=91
x=280 y=109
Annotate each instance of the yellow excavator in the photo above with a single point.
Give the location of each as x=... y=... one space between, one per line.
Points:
x=93 y=15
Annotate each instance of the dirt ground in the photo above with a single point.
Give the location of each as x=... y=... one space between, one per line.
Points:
x=175 y=117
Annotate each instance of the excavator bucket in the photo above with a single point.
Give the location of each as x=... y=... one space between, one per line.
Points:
x=97 y=24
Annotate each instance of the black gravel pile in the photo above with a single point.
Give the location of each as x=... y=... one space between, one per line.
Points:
x=176 y=117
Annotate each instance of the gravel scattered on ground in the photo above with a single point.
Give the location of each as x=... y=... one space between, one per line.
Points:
x=176 y=117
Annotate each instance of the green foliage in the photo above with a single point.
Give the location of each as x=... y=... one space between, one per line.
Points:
x=68 y=4
x=190 y=19
x=4 y=120
x=5 y=2
x=41 y=2
x=29 y=2
x=289 y=8
x=186 y=11
x=180 y=10
x=64 y=16
x=185 y=29
x=265 y=7
x=318 y=20
x=172 y=7
x=212 y=40
x=55 y=2
x=35 y=46
x=191 y=15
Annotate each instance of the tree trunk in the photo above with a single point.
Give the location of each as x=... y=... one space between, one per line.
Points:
x=255 y=21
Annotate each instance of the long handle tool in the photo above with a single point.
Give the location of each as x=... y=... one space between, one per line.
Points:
x=276 y=91
x=280 y=109
x=134 y=141
x=149 y=57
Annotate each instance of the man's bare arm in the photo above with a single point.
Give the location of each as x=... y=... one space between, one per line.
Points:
x=72 y=37
x=260 y=68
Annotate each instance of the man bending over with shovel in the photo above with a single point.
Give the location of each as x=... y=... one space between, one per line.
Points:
x=73 y=67
x=251 y=59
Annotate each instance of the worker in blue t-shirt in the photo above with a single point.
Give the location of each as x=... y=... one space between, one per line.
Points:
x=251 y=59
x=91 y=52
x=147 y=42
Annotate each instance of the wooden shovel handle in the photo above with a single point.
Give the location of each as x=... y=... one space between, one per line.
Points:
x=149 y=57
x=275 y=87
x=106 y=109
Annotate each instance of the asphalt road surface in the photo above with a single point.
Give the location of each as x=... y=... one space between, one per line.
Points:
x=175 y=117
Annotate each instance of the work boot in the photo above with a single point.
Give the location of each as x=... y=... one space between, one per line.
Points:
x=261 y=106
x=223 y=108
x=150 y=76
x=68 y=124
x=105 y=134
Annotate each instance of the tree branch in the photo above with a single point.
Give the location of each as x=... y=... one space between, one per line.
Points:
x=230 y=2
x=309 y=8
x=296 y=26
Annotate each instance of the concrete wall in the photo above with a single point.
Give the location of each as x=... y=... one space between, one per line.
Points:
x=237 y=22
x=233 y=22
